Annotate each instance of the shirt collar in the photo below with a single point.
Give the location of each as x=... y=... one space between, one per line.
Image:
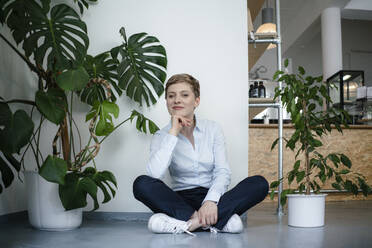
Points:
x=198 y=124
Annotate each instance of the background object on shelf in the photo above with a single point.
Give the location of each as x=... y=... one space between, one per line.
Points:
x=268 y=26
x=369 y=92
x=250 y=90
x=346 y=83
x=361 y=92
x=255 y=90
x=261 y=90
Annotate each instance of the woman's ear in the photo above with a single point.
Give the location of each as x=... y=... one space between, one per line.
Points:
x=197 y=101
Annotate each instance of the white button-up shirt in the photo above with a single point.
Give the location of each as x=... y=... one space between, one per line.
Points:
x=204 y=166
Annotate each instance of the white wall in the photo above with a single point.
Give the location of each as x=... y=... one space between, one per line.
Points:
x=207 y=39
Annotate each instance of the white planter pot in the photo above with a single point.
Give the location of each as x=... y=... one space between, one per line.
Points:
x=306 y=210
x=45 y=210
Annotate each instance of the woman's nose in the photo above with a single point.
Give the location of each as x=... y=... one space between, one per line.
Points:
x=177 y=99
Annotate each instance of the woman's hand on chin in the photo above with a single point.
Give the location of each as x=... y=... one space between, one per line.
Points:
x=178 y=122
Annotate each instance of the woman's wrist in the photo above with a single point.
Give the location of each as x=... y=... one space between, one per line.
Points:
x=173 y=132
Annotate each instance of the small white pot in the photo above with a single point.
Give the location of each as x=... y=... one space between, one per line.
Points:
x=306 y=210
x=45 y=210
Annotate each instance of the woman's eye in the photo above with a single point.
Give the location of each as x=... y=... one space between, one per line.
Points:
x=185 y=95
x=171 y=96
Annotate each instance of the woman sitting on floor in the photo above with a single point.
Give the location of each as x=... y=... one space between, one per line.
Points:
x=193 y=150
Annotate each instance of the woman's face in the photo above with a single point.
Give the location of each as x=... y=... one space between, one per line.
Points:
x=181 y=100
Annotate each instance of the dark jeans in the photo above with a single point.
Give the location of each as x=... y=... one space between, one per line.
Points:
x=182 y=204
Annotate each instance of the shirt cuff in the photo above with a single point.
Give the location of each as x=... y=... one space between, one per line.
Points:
x=212 y=196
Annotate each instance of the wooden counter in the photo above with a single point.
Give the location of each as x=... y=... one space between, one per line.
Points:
x=355 y=142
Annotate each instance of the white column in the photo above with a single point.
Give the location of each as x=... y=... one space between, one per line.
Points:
x=331 y=41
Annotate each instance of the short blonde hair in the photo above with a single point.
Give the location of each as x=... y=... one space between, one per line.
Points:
x=184 y=78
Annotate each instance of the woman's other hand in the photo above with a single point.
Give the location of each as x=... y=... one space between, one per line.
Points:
x=208 y=214
x=178 y=122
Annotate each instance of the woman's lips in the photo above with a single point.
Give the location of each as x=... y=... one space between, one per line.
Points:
x=177 y=108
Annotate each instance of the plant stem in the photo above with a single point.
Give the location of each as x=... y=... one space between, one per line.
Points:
x=115 y=129
x=307 y=162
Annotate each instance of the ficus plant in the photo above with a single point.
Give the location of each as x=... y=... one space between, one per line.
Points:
x=52 y=40
x=303 y=97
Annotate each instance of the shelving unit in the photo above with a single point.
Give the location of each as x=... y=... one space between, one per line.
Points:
x=257 y=44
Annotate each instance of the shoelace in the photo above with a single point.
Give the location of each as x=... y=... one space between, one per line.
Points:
x=177 y=227
x=213 y=230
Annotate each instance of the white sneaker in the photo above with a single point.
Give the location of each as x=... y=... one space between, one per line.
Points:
x=162 y=223
x=234 y=225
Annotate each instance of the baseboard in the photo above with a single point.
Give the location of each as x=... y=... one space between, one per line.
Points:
x=117 y=216
x=7 y=218
x=101 y=216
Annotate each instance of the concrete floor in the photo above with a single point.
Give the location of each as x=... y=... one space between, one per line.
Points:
x=348 y=224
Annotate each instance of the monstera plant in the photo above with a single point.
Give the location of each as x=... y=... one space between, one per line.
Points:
x=52 y=40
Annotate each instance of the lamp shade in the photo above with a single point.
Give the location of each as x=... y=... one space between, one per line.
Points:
x=268 y=25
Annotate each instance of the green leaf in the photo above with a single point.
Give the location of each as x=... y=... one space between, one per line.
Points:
x=58 y=35
x=104 y=128
x=143 y=64
x=5 y=115
x=300 y=176
x=7 y=175
x=345 y=160
x=364 y=186
x=52 y=104
x=276 y=74
x=336 y=186
x=301 y=70
x=354 y=189
x=54 y=170
x=110 y=108
x=71 y=194
x=142 y=122
x=345 y=171
x=272 y=194
x=108 y=176
x=334 y=159
x=274 y=144
x=311 y=107
x=73 y=79
x=88 y=185
x=15 y=163
x=317 y=143
x=274 y=184
x=296 y=165
x=85 y=3
x=101 y=67
x=283 y=196
x=348 y=185
x=291 y=177
x=17 y=133
x=286 y=63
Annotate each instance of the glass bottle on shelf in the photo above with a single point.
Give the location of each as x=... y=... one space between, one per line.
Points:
x=250 y=90
x=261 y=90
x=255 y=89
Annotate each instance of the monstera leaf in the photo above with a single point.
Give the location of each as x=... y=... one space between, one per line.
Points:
x=99 y=67
x=143 y=124
x=143 y=64
x=56 y=34
x=84 y=3
x=16 y=133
